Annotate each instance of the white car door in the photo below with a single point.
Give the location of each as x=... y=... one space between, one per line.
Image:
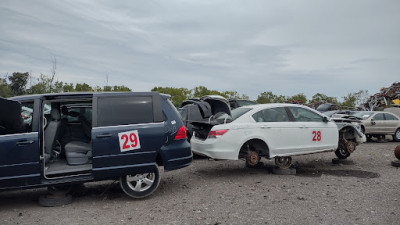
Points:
x=316 y=135
x=283 y=137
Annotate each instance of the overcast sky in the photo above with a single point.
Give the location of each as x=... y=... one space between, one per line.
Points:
x=287 y=47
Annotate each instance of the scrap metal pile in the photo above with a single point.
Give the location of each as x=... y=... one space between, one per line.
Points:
x=385 y=97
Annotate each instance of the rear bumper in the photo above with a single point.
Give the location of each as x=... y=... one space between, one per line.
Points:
x=213 y=148
x=177 y=155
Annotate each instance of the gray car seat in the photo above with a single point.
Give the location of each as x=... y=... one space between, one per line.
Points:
x=78 y=152
x=51 y=133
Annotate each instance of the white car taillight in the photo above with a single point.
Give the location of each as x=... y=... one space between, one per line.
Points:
x=217 y=133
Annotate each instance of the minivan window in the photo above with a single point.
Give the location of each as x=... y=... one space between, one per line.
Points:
x=124 y=110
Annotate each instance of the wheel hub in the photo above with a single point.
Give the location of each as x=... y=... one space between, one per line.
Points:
x=351 y=146
x=252 y=158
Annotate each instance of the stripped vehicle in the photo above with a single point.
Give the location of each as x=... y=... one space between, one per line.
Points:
x=202 y=110
x=273 y=131
x=350 y=135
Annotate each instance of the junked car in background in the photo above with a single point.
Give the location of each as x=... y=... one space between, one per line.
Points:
x=202 y=110
x=236 y=103
x=378 y=124
x=276 y=131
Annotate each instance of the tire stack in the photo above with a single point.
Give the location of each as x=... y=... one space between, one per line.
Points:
x=396 y=163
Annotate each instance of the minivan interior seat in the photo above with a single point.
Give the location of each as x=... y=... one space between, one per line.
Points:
x=78 y=152
x=51 y=133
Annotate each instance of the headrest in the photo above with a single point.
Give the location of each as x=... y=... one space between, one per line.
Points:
x=55 y=114
x=64 y=110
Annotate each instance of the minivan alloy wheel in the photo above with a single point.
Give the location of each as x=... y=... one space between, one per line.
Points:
x=140 y=185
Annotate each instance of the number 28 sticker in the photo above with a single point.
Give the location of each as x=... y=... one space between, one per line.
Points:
x=316 y=136
x=129 y=140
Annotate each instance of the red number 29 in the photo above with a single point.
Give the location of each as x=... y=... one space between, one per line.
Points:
x=132 y=139
x=317 y=135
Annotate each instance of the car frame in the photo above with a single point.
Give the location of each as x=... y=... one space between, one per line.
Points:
x=243 y=138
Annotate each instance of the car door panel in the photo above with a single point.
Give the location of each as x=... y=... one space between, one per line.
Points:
x=110 y=158
x=19 y=146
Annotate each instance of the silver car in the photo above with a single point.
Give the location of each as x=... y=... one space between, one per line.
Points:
x=378 y=124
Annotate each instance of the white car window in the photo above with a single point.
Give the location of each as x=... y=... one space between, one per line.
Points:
x=271 y=115
x=305 y=115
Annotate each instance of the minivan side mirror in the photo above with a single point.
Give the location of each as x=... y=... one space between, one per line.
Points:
x=325 y=119
x=373 y=122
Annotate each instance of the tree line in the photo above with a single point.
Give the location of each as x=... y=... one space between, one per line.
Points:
x=17 y=84
x=350 y=101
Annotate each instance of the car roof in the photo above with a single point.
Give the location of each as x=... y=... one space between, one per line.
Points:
x=272 y=105
x=79 y=94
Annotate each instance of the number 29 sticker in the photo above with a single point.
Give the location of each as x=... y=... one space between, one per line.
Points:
x=129 y=140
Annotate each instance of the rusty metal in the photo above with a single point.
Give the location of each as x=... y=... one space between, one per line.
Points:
x=350 y=146
x=384 y=98
x=252 y=158
x=397 y=152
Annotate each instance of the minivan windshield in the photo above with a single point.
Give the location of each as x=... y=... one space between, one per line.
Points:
x=236 y=113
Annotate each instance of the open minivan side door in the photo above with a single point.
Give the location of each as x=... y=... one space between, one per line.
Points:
x=19 y=144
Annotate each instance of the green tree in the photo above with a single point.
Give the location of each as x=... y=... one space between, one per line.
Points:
x=234 y=94
x=269 y=97
x=83 y=87
x=349 y=101
x=323 y=98
x=68 y=87
x=18 y=83
x=46 y=84
x=120 y=88
x=178 y=95
x=5 y=89
x=299 y=98
x=265 y=97
x=201 y=91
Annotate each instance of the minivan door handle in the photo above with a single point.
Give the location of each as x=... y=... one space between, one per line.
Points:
x=104 y=135
x=25 y=142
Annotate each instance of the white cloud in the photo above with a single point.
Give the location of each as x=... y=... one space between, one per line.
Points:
x=287 y=47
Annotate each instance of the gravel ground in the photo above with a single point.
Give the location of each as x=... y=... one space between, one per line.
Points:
x=365 y=190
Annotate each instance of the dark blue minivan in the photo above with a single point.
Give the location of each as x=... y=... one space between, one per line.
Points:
x=54 y=139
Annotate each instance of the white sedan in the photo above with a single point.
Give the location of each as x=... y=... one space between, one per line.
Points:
x=266 y=130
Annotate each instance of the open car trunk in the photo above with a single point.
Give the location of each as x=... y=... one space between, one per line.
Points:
x=198 y=114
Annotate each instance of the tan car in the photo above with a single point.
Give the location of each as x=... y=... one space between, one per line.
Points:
x=378 y=124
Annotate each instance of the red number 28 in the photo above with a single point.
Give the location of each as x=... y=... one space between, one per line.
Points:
x=317 y=135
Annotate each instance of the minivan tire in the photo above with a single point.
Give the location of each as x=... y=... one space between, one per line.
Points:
x=140 y=185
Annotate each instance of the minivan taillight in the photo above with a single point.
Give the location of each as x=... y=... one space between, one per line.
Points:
x=181 y=134
x=217 y=133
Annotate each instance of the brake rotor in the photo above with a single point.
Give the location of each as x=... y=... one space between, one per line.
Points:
x=397 y=152
x=351 y=146
x=252 y=158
